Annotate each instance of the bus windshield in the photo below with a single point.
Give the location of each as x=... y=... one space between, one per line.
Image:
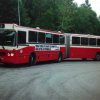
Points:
x=7 y=37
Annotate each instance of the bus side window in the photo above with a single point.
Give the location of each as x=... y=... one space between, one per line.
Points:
x=84 y=41
x=92 y=41
x=21 y=37
x=32 y=36
x=55 y=38
x=62 y=39
x=41 y=37
x=48 y=38
x=98 y=42
x=76 y=40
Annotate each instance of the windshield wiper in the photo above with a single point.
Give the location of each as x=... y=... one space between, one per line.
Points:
x=2 y=44
x=3 y=47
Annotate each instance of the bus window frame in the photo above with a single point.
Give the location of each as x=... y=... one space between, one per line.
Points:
x=17 y=38
x=63 y=39
x=93 y=44
x=29 y=37
x=46 y=38
x=53 y=39
x=97 y=42
x=82 y=44
x=75 y=44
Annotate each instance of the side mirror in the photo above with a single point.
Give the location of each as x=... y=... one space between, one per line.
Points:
x=17 y=45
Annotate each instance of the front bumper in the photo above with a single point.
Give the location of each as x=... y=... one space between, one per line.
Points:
x=6 y=59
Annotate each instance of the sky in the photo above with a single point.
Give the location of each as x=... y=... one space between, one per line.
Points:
x=95 y=4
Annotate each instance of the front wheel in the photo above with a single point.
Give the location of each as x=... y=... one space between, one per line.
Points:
x=32 y=60
x=59 y=58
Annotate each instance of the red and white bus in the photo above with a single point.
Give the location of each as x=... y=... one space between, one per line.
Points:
x=30 y=45
x=82 y=46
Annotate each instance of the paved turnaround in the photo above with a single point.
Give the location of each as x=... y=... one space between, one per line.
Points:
x=68 y=80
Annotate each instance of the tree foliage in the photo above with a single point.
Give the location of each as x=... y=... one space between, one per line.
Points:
x=86 y=20
x=63 y=15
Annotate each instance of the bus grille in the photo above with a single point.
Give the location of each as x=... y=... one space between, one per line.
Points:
x=2 y=53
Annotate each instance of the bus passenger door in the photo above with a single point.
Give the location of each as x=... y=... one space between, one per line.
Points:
x=67 y=43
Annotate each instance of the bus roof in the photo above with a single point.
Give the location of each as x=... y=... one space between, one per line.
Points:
x=82 y=35
x=15 y=26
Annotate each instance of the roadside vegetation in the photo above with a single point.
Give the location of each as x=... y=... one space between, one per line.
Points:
x=58 y=15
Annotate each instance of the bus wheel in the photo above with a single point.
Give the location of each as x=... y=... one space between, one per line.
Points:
x=59 y=57
x=98 y=56
x=84 y=59
x=32 y=60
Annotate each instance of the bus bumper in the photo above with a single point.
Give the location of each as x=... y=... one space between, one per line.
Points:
x=13 y=59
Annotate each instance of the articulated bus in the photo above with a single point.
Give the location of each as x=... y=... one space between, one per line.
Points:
x=20 y=44
x=30 y=45
x=82 y=46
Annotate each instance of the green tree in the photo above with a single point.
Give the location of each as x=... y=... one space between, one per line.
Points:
x=86 y=20
x=24 y=18
x=67 y=10
x=43 y=13
x=8 y=11
x=63 y=15
x=87 y=4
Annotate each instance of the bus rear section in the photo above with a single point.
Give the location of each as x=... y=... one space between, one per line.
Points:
x=82 y=46
x=30 y=45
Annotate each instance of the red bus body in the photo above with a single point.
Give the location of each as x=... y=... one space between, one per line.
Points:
x=20 y=53
x=83 y=46
x=19 y=43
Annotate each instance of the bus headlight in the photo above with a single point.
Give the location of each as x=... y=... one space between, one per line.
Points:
x=10 y=54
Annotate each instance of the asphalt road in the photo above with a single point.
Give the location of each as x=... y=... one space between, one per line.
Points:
x=68 y=80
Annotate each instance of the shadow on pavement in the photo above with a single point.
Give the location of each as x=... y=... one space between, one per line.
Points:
x=41 y=63
x=25 y=65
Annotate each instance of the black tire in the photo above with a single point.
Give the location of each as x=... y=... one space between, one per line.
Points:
x=59 y=57
x=32 y=60
x=84 y=59
x=98 y=56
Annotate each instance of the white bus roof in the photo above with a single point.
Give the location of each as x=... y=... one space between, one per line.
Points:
x=81 y=35
x=17 y=27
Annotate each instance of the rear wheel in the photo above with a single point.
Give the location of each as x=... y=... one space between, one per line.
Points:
x=84 y=59
x=98 y=56
x=32 y=60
